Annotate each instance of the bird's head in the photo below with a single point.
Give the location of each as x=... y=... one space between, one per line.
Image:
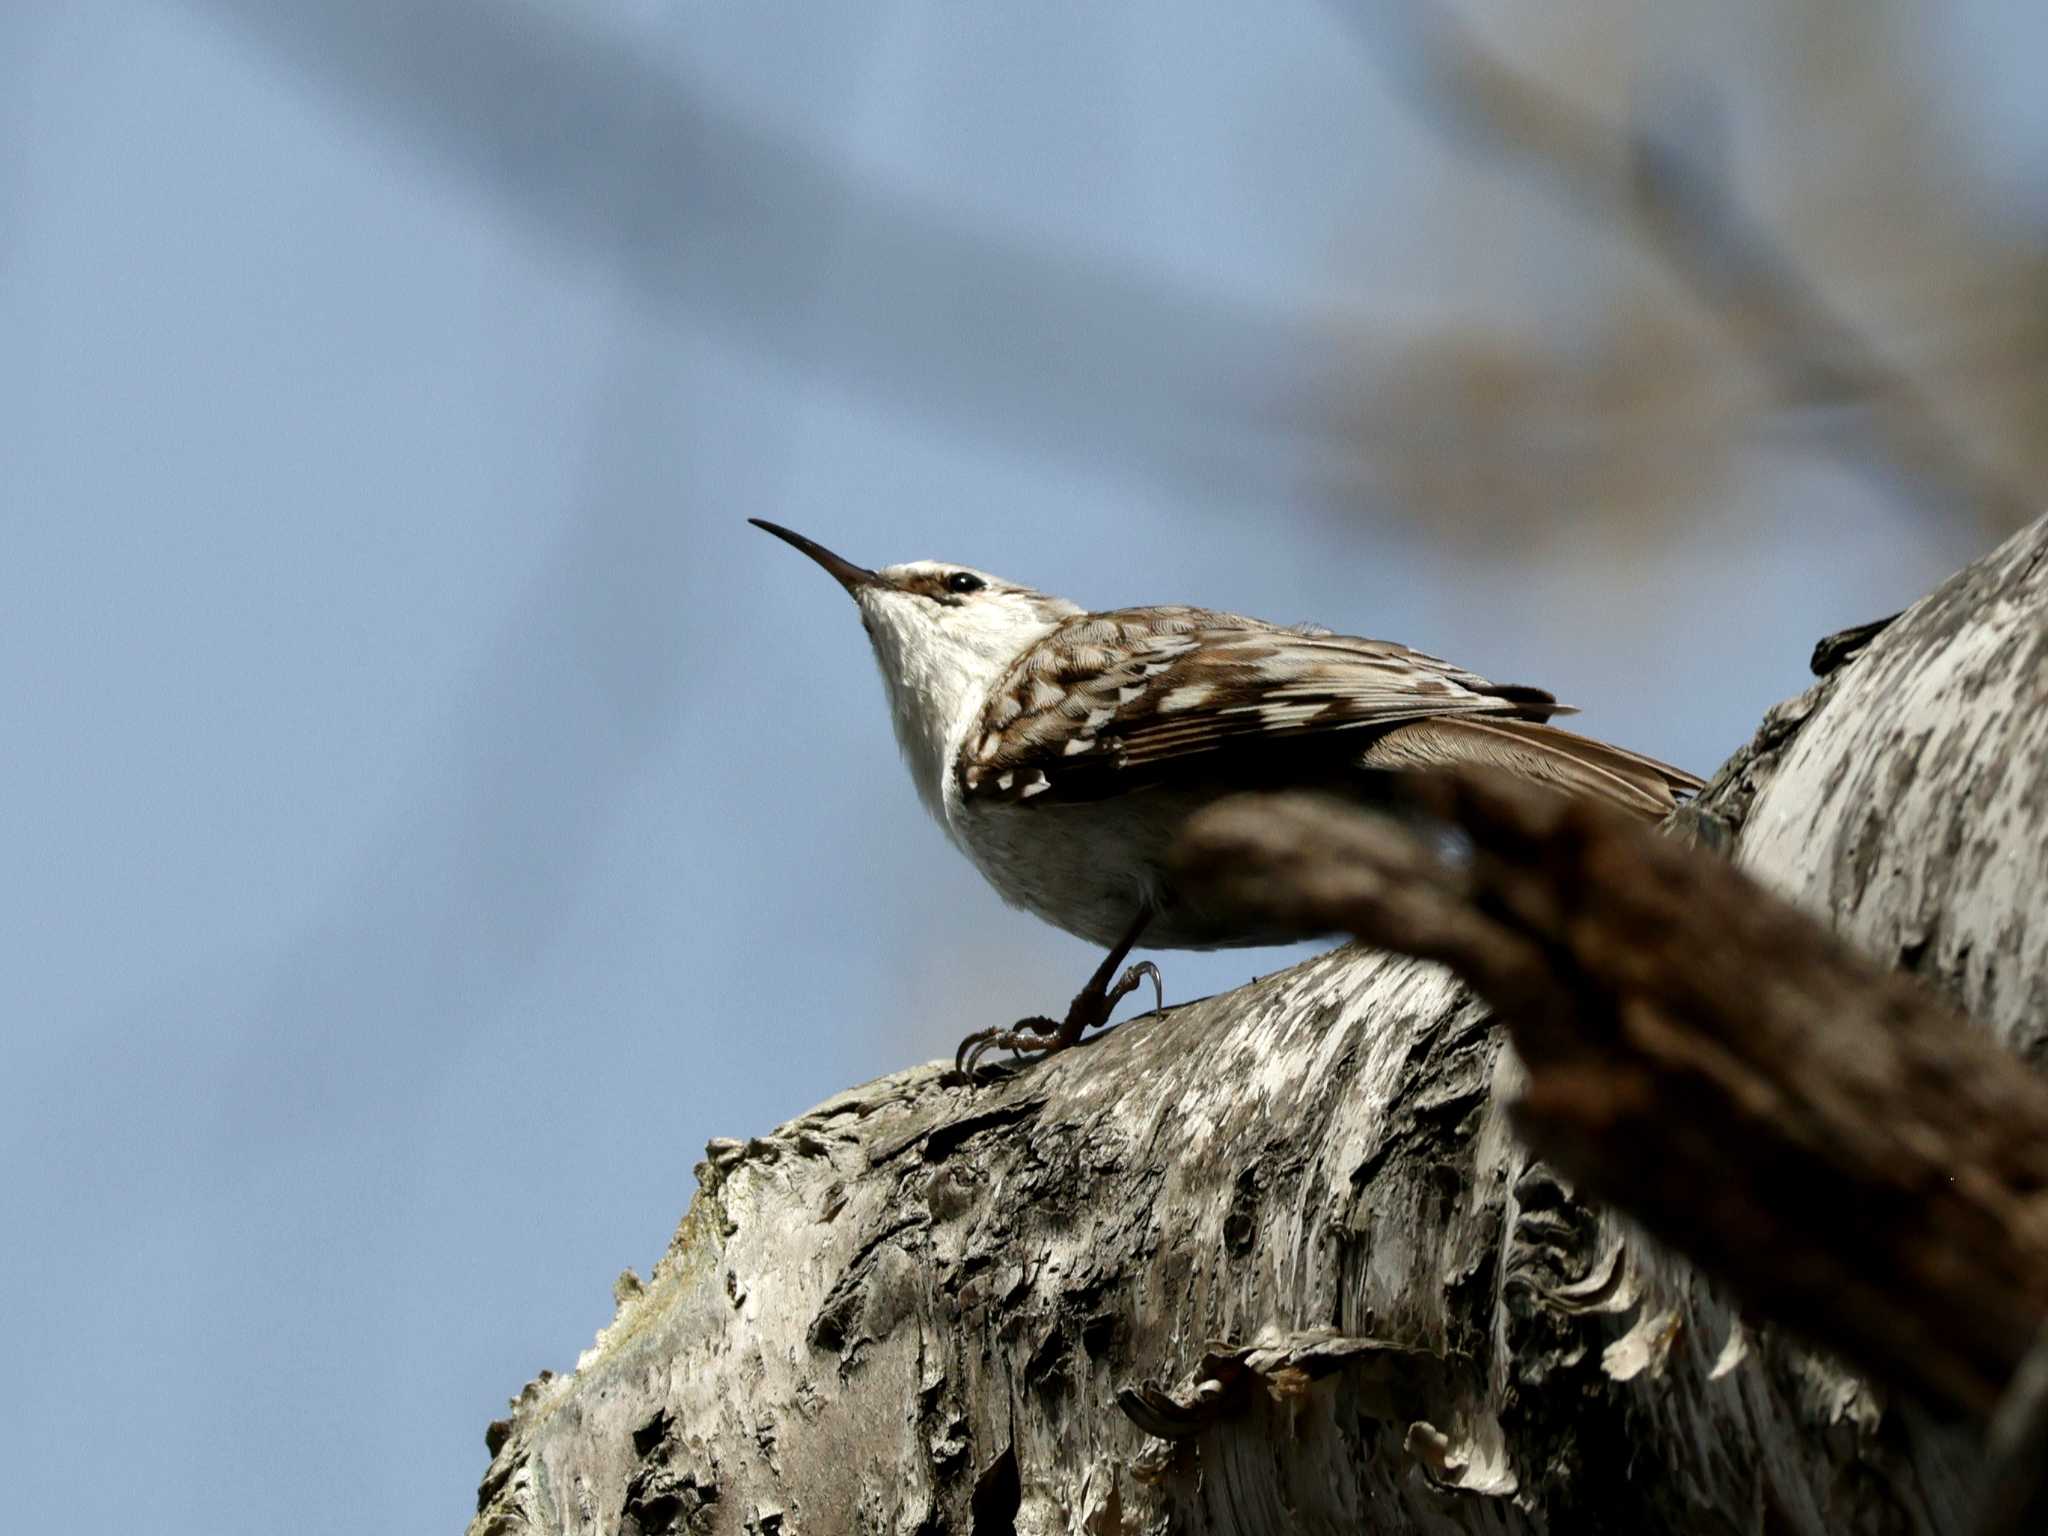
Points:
x=930 y=613
x=942 y=634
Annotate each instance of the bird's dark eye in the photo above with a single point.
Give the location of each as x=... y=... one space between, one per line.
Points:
x=964 y=582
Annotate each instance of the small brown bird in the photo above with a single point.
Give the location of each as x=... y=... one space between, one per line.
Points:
x=1063 y=750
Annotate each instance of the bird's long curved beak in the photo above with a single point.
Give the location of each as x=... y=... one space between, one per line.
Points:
x=845 y=572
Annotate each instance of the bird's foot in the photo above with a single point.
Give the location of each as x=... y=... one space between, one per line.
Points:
x=1024 y=1035
x=1092 y=1005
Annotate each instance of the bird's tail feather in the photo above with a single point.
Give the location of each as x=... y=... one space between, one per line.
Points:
x=1573 y=763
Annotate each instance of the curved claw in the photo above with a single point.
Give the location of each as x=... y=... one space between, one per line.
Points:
x=1128 y=982
x=1021 y=1036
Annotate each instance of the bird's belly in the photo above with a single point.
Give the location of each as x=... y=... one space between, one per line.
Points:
x=1089 y=867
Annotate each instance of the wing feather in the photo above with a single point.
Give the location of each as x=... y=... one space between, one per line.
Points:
x=1571 y=762
x=1113 y=701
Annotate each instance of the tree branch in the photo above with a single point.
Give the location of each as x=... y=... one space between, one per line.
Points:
x=1831 y=1139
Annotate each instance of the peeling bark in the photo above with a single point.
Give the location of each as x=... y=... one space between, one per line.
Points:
x=1275 y=1260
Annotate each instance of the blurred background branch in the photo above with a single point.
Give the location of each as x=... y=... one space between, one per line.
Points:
x=1658 y=186
x=745 y=230
x=1069 y=353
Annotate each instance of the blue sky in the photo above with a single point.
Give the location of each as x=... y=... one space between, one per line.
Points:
x=433 y=813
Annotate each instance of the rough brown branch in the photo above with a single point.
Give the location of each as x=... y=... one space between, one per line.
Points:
x=1846 y=1151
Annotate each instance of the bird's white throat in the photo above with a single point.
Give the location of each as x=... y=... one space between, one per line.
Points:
x=939 y=663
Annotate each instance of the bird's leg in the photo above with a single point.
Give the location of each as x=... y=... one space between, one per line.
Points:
x=1091 y=1006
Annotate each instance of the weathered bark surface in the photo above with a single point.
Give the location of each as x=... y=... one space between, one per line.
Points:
x=1913 y=815
x=913 y=1308
x=1829 y=1138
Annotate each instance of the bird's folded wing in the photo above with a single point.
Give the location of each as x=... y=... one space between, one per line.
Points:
x=1112 y=701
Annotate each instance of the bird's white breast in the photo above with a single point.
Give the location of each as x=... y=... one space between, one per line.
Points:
x=1086 y=868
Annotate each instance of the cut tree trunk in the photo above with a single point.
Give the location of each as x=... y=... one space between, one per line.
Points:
x=1276 y=1260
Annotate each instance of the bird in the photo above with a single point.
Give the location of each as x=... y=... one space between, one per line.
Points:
x=1061 y=750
